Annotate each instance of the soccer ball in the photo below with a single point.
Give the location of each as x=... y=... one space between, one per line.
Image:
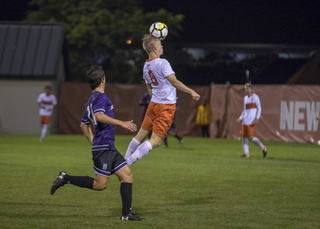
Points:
x=159 y=30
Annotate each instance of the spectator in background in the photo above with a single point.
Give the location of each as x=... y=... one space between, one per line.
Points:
x=204 y=118
x=46 y=102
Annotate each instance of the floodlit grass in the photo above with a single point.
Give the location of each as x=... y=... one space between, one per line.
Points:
x=205 y=184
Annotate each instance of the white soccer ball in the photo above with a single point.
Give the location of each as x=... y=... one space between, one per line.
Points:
x=159 y=30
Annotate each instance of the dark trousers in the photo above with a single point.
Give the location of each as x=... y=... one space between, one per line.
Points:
x=205 y=131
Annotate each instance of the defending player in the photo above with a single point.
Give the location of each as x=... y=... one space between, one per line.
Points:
x=106 y=159
x=47 y=102
x=161 y=84
x=250 y=117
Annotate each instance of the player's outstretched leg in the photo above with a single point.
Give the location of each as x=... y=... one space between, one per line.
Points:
x=134 y=144
x=59 y=182
x=141 y=151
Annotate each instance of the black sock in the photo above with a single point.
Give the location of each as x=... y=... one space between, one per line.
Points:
x=177 y=136
x=126 y=196
x=83 y=182
x=165 y=141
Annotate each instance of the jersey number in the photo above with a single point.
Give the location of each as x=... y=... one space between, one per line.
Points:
x=91 y=115
x=153 y=78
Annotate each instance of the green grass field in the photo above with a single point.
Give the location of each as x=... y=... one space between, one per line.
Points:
x=205 y=184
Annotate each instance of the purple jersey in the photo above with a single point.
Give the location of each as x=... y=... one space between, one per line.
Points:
x=145 y=102
x=104 y=133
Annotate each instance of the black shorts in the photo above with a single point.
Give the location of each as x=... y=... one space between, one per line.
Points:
x=107 y=162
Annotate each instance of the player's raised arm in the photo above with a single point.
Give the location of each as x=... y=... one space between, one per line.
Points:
x=180 y=86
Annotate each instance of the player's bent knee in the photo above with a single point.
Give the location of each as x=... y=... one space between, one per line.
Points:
x=99 y=186
x=127 y=179
x=156 y=145
x=125 y=175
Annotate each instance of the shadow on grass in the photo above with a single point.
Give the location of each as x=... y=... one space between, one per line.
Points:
x=198 y=201
x=37 y=215
x=292 y=160
x=38 y=204
x=116 y=212
x=17 y=165
x=184 y=148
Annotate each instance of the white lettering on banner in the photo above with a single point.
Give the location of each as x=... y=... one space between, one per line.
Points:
x=299 y=115
x=312 y=116
x=286 y=116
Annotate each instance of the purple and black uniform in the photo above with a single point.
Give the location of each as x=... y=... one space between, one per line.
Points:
x=145 y=102
x=107 y=160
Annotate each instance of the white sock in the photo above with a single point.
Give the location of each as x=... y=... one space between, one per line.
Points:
x=245 y=143
x=258 y=142
x=141 y=151
x=132 y=147
x=44 y=130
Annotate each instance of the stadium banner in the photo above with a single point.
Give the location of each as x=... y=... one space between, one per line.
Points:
x=125 y=99
x=288 y=112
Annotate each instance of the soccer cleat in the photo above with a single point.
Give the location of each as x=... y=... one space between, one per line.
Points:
x=59 y=182
x=131 y=216
x=264 y=151
x=181 y=142
x=245 y=155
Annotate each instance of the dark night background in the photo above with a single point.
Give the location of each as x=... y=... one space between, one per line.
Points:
x=230 y=21
x=233 y=21
x=227 y=21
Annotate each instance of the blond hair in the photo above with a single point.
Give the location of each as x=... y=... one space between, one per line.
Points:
x=148 y=41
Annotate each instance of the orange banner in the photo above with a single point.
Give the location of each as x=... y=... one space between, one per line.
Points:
x=125 y=99
x=288 y=112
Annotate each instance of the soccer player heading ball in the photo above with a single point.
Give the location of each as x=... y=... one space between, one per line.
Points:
x=161 y=84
